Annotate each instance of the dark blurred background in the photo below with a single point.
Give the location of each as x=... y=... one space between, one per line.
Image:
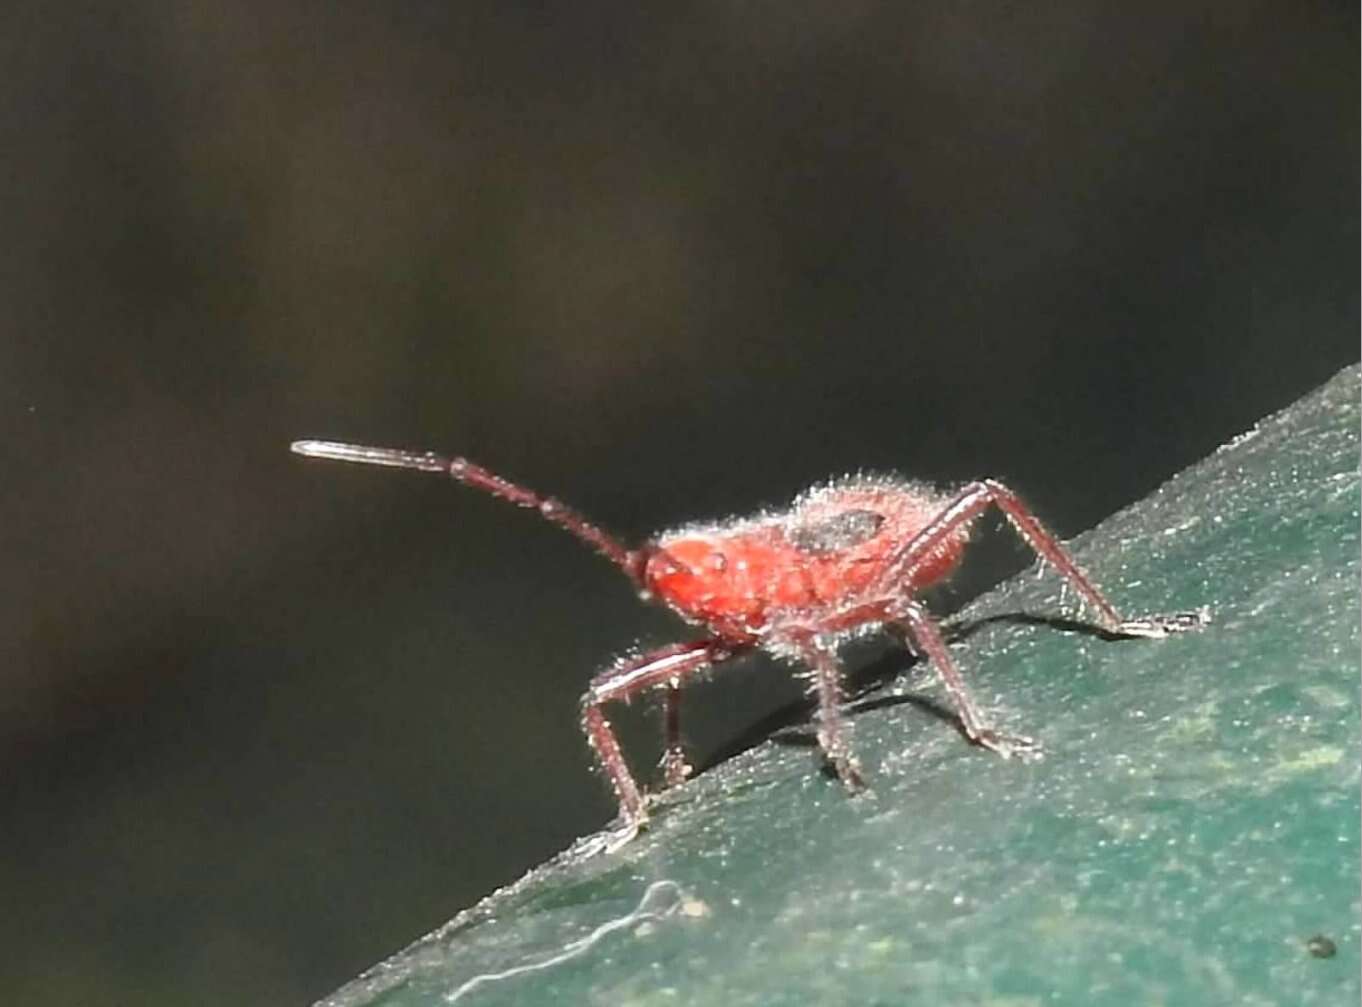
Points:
x=263 y=720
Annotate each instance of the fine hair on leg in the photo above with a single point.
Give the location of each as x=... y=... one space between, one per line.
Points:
x=833 y=739
x=914 y=620
x=665 y=667
x=970 y=503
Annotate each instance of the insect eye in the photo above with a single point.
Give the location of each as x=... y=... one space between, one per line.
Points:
x=662 y=564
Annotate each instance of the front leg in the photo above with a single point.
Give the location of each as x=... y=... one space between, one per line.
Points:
x=676 y=769
x=667 y=666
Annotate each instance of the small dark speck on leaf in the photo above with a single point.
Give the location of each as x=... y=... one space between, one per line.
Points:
x=1321 y=946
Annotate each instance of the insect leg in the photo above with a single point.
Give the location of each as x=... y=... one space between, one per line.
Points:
x=977 y=497
x=675 y=768
x=832 y=726
x=919 y=626
x=667 y=666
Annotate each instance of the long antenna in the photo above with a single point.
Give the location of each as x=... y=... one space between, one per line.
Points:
x=470 y=474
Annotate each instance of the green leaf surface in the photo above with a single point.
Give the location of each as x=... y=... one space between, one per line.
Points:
x=1194 y=823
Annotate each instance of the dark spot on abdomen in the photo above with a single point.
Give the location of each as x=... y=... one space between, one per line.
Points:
x=837 y=532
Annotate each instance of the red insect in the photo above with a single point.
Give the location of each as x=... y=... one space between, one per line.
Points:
x=846 y=559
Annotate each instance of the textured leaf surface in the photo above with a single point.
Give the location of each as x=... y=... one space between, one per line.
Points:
x=1194 y=823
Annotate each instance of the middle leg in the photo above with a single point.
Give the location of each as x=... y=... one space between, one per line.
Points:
x=914 y=621
x=832 y=725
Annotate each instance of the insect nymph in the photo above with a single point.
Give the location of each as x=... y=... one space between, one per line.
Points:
x=845 y=559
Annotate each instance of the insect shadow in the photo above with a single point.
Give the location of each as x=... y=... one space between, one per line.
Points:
x=791 y=725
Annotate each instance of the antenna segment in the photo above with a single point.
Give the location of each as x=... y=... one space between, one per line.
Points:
x=461 y=469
